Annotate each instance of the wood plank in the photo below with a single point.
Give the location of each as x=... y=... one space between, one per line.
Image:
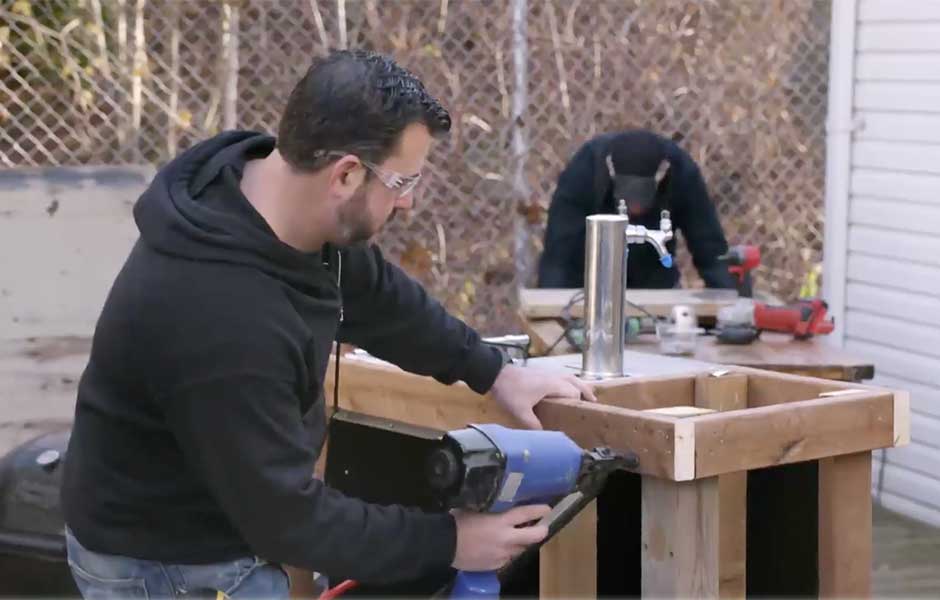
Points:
x=545 y=303
x=728 y=392
x=776 y=352
x=636 y=365
x=874 y=299
x=568 y=562
x=903 y=247
x=898 y=127
x=892 y=273
x=665 y=447
x=898 y=96
x=906 y=66
x=794 y=432
x=773 y=351
x=781 y=388
x=646 y=393
x=546 y=335
x=895 y=214
x=912 y=36
x=680 y=538
x=912 y=187
x=845 y=521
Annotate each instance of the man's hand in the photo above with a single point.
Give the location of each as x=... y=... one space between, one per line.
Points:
x=486 y=542
x=519 y=389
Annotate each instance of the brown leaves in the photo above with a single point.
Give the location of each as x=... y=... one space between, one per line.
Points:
x=416 y=260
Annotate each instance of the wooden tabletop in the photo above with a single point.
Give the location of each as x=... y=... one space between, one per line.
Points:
x=772 y=351
x=539 y=303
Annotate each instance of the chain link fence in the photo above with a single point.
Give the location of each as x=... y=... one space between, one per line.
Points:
x=741 y=85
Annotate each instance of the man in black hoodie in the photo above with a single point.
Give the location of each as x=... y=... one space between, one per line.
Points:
x=648 y=173
x=201 y=413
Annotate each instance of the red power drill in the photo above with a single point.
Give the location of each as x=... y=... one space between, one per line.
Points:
x=743 y=322
x=741 y=260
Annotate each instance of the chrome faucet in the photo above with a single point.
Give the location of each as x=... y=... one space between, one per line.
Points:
x=605 y=281
x=638 y=234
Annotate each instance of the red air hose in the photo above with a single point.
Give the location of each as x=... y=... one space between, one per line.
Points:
x=339 y=590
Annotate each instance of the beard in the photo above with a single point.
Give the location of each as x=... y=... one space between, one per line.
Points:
x=355 y=226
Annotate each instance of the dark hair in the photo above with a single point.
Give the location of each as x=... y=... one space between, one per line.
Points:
x=637 y=152
x=357 y=102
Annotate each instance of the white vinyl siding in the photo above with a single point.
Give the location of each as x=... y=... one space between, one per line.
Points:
x=892 y=278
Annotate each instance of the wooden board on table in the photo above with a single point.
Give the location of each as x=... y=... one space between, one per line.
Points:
x=776 y=352
x=545 y=303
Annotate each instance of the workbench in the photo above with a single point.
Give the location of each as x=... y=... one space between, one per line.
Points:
x=771 y=351
x=750 y=482
x=542 y=313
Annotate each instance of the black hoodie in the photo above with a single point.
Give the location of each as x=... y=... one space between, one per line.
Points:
x=200 y=414
x=584 y=188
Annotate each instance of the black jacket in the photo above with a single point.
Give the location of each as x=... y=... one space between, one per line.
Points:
x=200 y=414
x=584 y=189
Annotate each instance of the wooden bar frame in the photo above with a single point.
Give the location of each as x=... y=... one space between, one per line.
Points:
x=696 y=434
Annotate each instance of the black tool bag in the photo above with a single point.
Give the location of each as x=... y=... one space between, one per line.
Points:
x=32 y=527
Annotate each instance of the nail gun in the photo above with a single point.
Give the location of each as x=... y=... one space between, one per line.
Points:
x=490 y=468
x=481 y=468
x=742 y=322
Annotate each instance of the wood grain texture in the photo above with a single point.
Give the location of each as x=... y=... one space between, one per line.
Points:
x=644 y=393
x=547 y=303
x=793 y=432
x=383 y=390
x=776 y=352
x=680 y=538
x=568 y=562
x=845 y=526
x=727 y=392
x=772 y=352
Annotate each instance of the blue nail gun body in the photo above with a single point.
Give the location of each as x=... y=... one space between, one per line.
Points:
x=490 y=468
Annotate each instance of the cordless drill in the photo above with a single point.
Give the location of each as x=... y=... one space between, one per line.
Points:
x=741 y=260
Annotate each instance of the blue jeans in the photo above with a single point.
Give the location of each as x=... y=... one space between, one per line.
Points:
x=110 y=576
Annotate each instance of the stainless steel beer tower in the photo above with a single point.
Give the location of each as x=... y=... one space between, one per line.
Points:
x=605 y=280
